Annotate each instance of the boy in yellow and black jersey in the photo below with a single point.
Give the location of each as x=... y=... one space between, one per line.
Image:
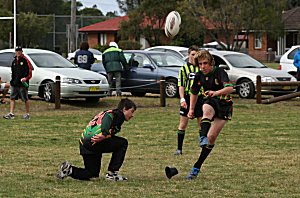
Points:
x=185 y=81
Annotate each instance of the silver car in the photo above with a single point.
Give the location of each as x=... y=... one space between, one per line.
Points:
x=75 y=82
x=242 y=69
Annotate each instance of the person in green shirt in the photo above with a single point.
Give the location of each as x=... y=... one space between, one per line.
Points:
x=99 y=137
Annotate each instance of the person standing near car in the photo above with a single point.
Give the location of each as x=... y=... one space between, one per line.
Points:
x=21 y=74
x=114 y=62
x=84 y=58
x=297 y=65
x=216 y=87
x=185 y=81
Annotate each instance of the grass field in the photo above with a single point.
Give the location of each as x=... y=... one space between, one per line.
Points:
x=256 y=155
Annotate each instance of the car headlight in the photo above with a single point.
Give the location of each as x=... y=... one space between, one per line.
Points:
x=104 y=81
x=267 y=79
x=71 y=81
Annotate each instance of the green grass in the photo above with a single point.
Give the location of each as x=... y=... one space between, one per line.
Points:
x=256 y=155
x=272 y=65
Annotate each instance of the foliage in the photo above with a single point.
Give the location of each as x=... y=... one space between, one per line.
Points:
x=231 y=19
x=256 y=155
x=90 y=12
x=32 y=29
x=6 y=27
x=151 y=23
x=129 y=45
x=128 y=5
x=101 y=48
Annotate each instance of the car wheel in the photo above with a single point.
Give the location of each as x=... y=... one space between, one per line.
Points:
x=171 y=88
x=48 y=92
x=138 y=94
x=92 y=99
x=246 y=89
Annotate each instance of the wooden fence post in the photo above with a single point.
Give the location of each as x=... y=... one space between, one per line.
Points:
x=57 y=92
x=162 y=91
x=258 y=89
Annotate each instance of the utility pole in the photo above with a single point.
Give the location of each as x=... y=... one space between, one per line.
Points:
x=73 y=26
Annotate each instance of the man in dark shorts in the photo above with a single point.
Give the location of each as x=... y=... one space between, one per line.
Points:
x=214 y=84
x=21 y=73
x=185 y=80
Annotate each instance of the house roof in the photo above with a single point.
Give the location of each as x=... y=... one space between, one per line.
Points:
x=291 y=19
x=106 y=26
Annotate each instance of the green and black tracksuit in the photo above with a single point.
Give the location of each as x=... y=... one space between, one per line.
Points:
x=108 y=123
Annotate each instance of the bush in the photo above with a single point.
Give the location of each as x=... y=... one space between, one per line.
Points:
x=129 y=45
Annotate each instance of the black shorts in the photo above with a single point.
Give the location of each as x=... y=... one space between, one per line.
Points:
x=16 y=92
x=222 y=108
x=198 y=107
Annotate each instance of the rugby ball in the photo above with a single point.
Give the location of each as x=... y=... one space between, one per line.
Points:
x=172 y=24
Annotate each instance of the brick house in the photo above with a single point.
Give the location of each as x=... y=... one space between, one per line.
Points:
x=261 y=47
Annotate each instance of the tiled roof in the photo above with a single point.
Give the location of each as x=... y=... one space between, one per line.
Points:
x=108 y=25
x=291 y=19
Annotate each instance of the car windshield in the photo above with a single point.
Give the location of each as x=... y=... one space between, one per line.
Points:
x=167 y=60
x=184 y=53
x=49 y=60
x=243 y=61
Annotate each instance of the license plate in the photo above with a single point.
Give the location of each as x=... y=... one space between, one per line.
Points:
x=286 y=87
x=94 y=88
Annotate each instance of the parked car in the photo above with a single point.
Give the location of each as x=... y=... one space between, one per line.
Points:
x=181 y=52
x=242 y=69
x=75 y=82
x=97 y=54
x=287 y=61
x=146 y=68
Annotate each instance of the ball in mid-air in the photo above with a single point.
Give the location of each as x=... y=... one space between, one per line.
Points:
x=172 y=24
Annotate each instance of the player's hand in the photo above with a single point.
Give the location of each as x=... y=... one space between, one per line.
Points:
x=23 y=79
x=183 y=104
x=98 y=138
x=191 y=114
x=212 y=93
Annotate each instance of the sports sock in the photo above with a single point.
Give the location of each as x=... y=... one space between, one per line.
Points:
x=204 y=126
x=180 y=138
x=204 y=153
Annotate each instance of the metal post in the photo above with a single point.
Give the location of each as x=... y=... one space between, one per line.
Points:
x=57 y=92
x=258 y=89
x=162 y=91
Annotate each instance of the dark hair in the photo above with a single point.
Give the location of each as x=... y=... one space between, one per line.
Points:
x=127 y=104
x=84 y=46
x=193 y=48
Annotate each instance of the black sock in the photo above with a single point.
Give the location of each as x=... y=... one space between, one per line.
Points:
x=204 y=126
x=180 y=138
x=204 y=153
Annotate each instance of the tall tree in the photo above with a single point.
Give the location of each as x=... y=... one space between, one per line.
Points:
x=32 y=29
x=235 y=16
x=128 y=5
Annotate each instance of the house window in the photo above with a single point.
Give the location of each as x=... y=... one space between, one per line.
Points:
x=102 y=39
x=257 y=40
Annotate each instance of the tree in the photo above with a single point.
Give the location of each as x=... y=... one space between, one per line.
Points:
x=91 y=11
x=128 y=5
x=31 y=30
x=231 y=19
x=148 y=20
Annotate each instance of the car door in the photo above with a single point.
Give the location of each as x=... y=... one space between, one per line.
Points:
x=142 y=75
x=6 y=59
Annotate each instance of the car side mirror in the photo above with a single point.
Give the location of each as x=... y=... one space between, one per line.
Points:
x=148 y=66
x=224 y=66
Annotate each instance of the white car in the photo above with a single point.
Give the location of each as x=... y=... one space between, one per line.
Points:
x=242 y=69
x=97 y=54
x=75 y=82
x=287 y=61
x=181 y=52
